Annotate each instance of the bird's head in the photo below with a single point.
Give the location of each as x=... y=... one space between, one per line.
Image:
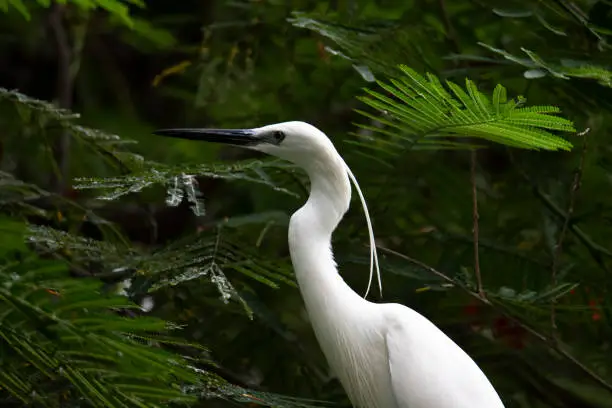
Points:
x=301 y=144
x=297 y=142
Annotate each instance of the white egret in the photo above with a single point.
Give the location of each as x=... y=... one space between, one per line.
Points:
x=385 y=355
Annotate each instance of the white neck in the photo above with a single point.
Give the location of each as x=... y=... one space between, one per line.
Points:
x=310 y=231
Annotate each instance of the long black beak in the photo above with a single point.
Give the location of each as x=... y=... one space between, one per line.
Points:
x=238 y=137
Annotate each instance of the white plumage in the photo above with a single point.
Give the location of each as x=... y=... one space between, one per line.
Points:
x=385 y=355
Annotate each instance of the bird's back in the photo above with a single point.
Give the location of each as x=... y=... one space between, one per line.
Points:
x=389 y=356
x=428 y=370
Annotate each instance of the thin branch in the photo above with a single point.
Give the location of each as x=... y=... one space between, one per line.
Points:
x=475 y=229
x=551 y=343
x=68 y=65
x=450 y=30
x=445 y=235
x=595 y=250
x=454 y=42
x=64 y=89
x=568 y=216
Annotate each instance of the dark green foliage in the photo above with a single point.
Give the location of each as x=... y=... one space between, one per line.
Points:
x=117 y=8
x=76 y=340
x=96 y=231
x=63 y=338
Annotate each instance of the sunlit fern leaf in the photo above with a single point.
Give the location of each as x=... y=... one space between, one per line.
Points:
x=417 y=110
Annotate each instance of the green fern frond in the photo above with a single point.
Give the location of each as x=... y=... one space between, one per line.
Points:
x=180 y=181
x=201 y=257
x=66 y=332
x=213 y=259
x=420 y=108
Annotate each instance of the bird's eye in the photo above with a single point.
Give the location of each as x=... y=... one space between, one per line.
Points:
x=278 y=136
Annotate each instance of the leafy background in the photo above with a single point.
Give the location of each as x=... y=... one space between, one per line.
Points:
x=140 y=271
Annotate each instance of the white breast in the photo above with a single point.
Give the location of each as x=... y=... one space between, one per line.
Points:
x=355 y=349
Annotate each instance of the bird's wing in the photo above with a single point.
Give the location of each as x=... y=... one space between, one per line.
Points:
x=428 y=369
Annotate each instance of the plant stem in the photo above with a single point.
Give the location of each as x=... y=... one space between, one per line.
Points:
x=64 y=91
x=596 y=250
x=68 y=64
x=475 y=229
x=568 y=216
